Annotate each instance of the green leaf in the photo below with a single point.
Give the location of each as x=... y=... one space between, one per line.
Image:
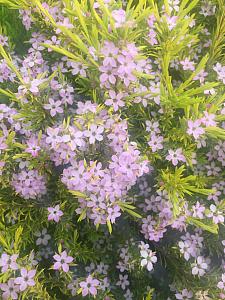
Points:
x=215 y=132
x=78 y=12
x=62 y=51
x=19 y=145
x=213 y=228
x=60 y=248
x=133 y=213
x=150 y=295
x=8 y=94
x=3 y=242
x=126 y=205
x=78 y=194
x=18 y=237
x=82 y=215
x=109 y=226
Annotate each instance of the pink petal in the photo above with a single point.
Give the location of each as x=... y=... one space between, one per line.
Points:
x=57 y=266
x=65 y=267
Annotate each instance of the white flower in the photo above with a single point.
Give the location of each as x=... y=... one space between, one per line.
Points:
x=221 y=284
x=149 y=259
x=199 y=267
x=184 y=295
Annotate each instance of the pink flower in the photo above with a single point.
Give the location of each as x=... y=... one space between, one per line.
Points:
x=152 y=37
x=198 y=210
x=215 y=214
x=54 y=107
x=9 y=289
x=208 y=119
x=185 y=294
x=53 y=42
x=187 y=64
x=195 y=129
x=65 y=23
x=55 y=213
x=220 y=70
x=3 y=145
x=199 y=267
x=62 y=261
x=89 y=286
x=119 y=16
x=34 y=86
x=53 y=136
x=175 y=156
x=108 y=74
x=151 y=20
x=26 y=279
x=78 y=68
x=207 y=8
x=110 y=51
x=201 y=76
x=94 y=133
x=33 y=147
x=171 y=21
x=8 y=262
x=221 y=284
x=115 y=100
x=3 y=40
x=156 y=142
x=152 y=127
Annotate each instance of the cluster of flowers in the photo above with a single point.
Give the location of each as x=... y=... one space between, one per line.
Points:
x=17 y=284
x=155 y=224
x=190 y=246
x=29 y=184
x=102 y=183
x=196 y=129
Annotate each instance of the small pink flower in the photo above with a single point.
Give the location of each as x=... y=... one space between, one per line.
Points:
x=200 y=266
x=175 y=156
x=54 y=107
x=215 y=214
x=195 y=129
x=94 y=133
x=26 y=279
x=3 y=145
x=198 y=210
x=55 y=213
x=208 y=119
x=62 y=261
x=156 y=142
x=9 y=289
x=115 y=100
x=32 y=147
x=185 y=294
x=8 y=262
x=89 y=286
x=171 y=21
x=119 y=16
x=221 y=284
x=187 y=64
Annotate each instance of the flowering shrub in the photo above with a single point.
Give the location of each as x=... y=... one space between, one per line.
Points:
x=112 y=150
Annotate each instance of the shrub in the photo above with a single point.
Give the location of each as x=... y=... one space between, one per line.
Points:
x=112 y=150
